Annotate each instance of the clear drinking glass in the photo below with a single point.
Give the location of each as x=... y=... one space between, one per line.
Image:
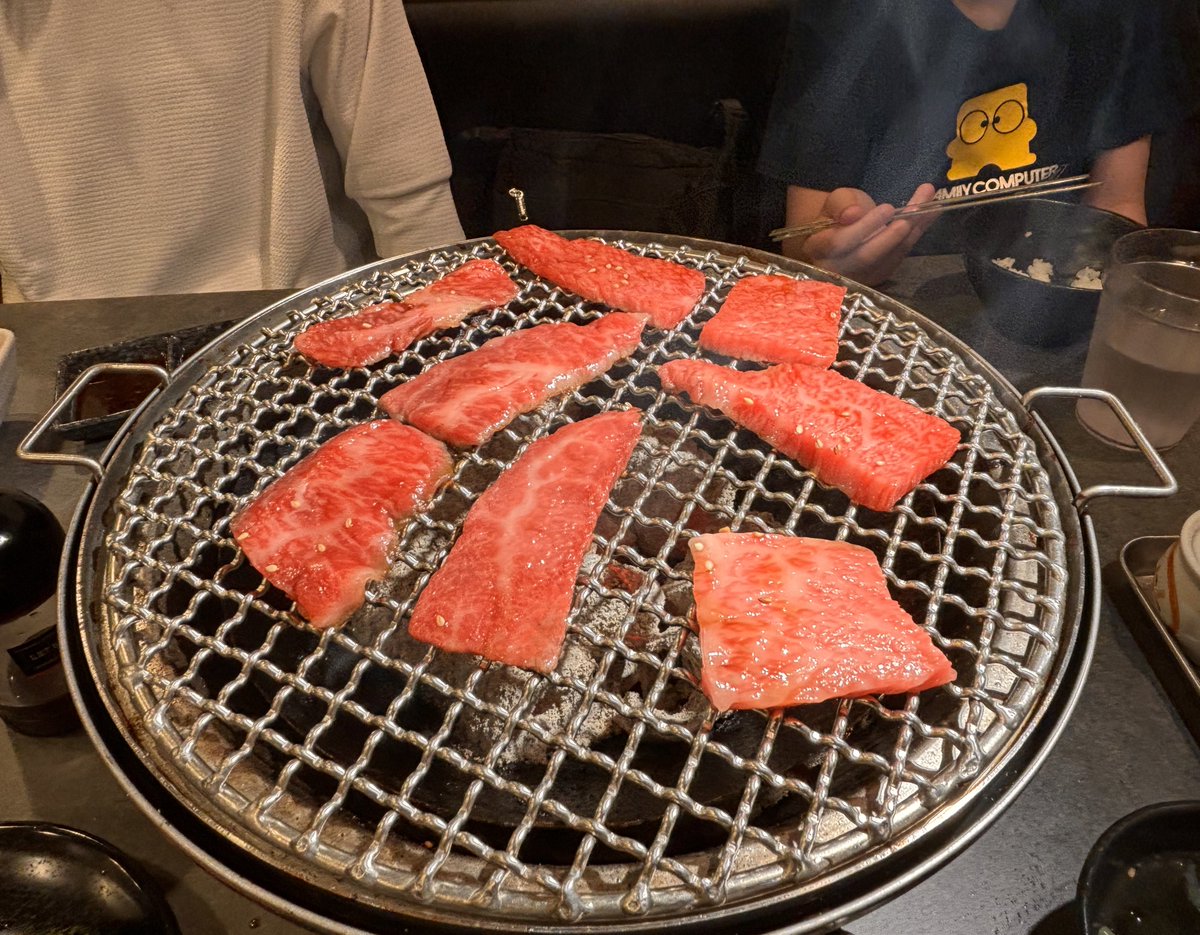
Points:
x=1146 y=344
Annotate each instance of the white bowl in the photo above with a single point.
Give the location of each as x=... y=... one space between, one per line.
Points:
x=8 y=370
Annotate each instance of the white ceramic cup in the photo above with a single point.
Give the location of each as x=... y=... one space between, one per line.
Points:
x=1177 y=587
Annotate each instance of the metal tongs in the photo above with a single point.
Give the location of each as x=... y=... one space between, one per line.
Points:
x=1052 y=187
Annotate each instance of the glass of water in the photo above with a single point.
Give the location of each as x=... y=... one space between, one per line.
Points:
x=1145 y=348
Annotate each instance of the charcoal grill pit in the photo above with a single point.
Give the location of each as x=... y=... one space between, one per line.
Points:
x=386 y=780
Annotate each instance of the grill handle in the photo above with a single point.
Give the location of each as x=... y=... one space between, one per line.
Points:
x=1083 y=499
x=25 y=449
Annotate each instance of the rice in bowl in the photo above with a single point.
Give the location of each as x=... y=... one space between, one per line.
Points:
x=1043 y=271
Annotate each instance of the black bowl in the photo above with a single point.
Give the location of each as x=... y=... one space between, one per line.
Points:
x=1141 y=873
x=1066 y=235
x=57 y=879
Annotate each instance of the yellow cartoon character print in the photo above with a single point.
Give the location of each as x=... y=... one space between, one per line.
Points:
x=993 y=129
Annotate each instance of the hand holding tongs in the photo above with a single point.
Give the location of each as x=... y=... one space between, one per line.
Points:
x=1053 y=187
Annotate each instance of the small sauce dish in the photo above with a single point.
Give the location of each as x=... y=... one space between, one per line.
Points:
x=1177 y=587
x=1143 y=874
x=59 y=879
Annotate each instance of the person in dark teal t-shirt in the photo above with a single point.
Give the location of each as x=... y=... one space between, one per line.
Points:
x=887 y=102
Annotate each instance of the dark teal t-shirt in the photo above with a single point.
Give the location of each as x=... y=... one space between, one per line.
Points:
x=886 y=94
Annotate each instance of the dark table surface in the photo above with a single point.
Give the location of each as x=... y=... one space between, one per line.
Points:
x=1124 y=747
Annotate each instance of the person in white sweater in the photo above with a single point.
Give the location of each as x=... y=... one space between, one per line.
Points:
x=150 y=147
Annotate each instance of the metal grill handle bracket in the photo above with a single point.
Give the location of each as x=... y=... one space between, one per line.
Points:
x=518 y=196
x=1169 y=487
x=25 y=449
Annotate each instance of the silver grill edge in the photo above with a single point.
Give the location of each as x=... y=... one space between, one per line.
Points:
x=243 y=772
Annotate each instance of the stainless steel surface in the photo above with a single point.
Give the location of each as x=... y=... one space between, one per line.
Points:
x=1180 y=676
x=991 y=561
x=1169 y=486
x=1036 y=190
x=26 y=449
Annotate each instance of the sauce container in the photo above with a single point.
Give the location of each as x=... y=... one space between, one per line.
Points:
x=1177 y=587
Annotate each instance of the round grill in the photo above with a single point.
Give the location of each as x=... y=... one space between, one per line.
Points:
x=433 y=786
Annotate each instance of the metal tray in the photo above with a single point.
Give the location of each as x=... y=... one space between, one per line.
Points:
x=1178 y=675
x=168 y=349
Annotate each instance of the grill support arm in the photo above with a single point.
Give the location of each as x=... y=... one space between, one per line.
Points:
x=1083 y=498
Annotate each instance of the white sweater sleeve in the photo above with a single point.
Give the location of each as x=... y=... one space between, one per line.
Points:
x=375 y=99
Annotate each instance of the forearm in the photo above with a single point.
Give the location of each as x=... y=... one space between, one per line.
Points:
x=376 y=102
x=419 y=219
x=1122 y=174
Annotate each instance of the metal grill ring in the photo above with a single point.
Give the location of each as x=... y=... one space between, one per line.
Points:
x=433 y=786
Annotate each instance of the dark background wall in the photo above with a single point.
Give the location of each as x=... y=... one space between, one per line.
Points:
x=655 y=68
x=651 y=67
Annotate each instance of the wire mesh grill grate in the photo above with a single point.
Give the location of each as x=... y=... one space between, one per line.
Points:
x=437 y=786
